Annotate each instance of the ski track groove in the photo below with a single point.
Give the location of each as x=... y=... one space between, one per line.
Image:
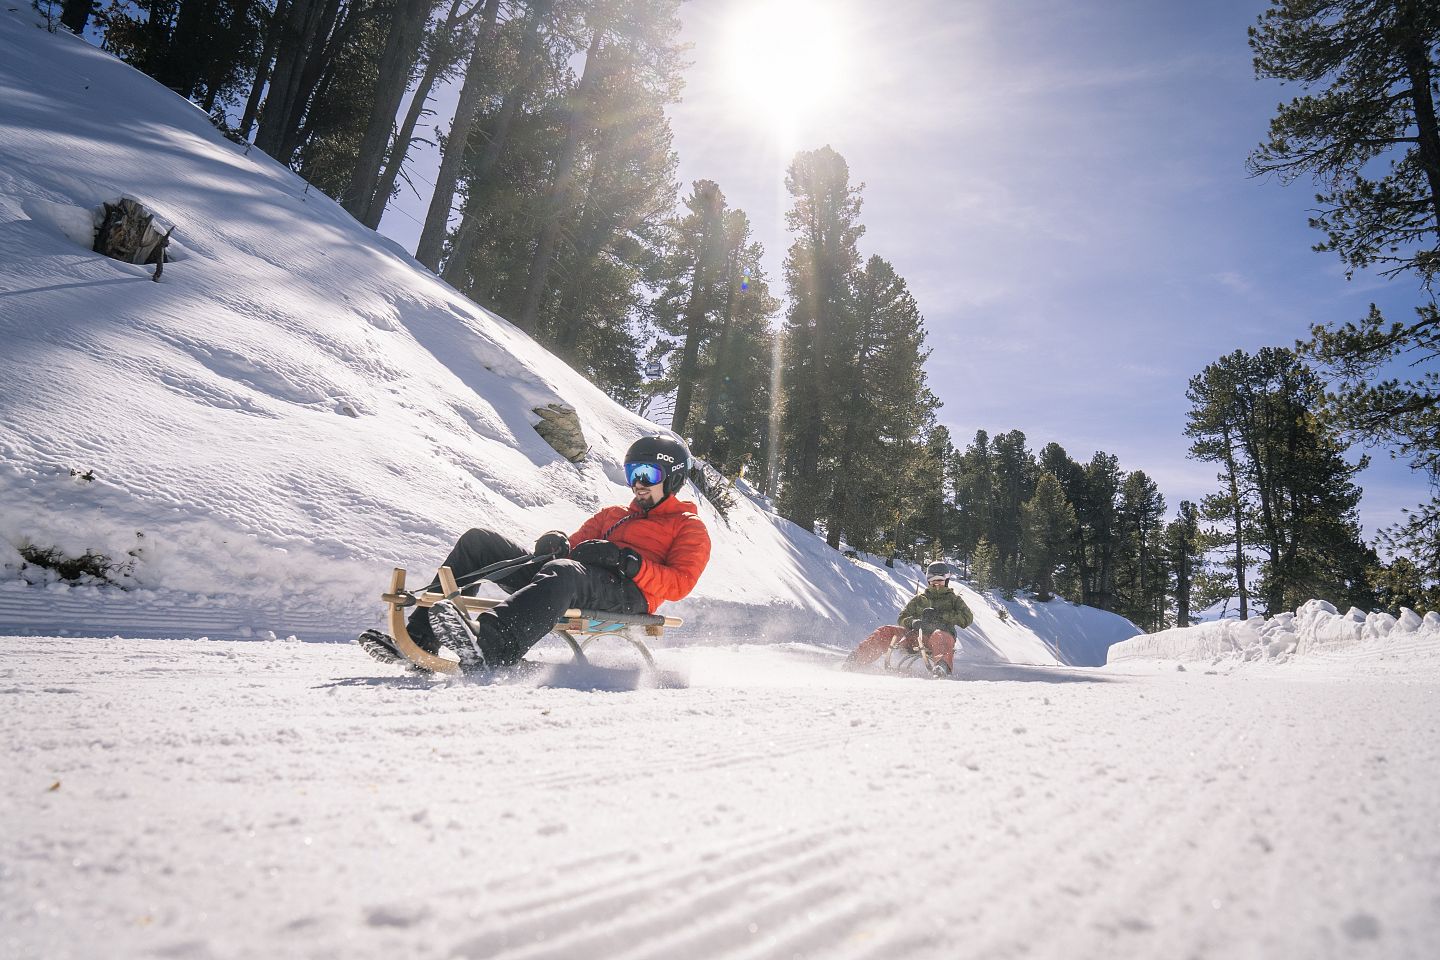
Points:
x=643 y=913
x=777 y=748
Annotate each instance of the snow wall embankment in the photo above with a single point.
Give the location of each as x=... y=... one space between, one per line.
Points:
x=1317 y=630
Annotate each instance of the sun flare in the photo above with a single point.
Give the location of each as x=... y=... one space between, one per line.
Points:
x=786 y=61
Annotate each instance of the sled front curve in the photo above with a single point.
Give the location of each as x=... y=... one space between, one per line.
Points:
x=577 y=627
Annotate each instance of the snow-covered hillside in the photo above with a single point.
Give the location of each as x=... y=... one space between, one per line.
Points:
x=297 y=406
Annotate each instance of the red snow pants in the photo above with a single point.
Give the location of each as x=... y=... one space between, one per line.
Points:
x=940 y=645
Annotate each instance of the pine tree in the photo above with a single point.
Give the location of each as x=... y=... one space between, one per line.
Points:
x=1371 y=136
x=888 y=408
x=936 y=514
x=202 y=49
x=406 y=31
x=1095 y=510
x=1184 y=559
x=974 y=495
x=819 y=272
x=1049 y=534
x=1141 y=582
x=695 y=288
x=333 y=96
x=1015 y=475
x=521 y=39
x=1287 y=484
x=1369 y=405
x=1071 y=476
x=1403 y=584
x=732 y=430
x=1375 y=112
x=442 y=49
x=1213 y=424
x=984 y=567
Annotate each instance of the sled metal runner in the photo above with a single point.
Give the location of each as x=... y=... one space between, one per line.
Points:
x=908 y=657
x=576 y=627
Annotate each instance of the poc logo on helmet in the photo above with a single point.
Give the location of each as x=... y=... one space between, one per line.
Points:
x=666 y=457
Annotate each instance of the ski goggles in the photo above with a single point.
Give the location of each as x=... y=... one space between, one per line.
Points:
x=650 y=474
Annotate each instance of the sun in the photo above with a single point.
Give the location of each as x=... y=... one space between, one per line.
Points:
x=785 y=61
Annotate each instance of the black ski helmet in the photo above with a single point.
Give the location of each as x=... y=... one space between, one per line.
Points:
x=939 y=570
x=668 y=453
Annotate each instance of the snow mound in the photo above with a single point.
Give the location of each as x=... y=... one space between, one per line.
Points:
x=1317 y=631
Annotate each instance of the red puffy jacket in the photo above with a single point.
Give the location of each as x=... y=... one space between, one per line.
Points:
x=671 y=540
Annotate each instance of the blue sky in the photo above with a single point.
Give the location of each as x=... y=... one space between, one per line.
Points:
x=1063 y=186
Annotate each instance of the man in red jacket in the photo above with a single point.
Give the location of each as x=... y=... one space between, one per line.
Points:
x=623 y=559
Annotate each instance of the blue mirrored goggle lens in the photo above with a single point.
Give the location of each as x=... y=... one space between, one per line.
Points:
x=649 y=473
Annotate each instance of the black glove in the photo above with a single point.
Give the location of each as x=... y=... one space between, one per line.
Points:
x=604 y=554
x=928 y=621
x=629 y=563
x=552 y=544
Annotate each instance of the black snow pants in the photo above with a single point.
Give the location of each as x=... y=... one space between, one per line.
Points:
x=539 y=594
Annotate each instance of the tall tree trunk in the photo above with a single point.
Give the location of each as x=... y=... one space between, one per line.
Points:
x=402 y=43
x=194 y=24
x=704 y=444
x=320 y=64
x=437 y=218
x=558 y=196
x=400 y=148
x=1239 y=516
x=1420 y=71
x=696 y=307
x=75 y=14
x=840 y=511
x=262 y=70
x=276 y=120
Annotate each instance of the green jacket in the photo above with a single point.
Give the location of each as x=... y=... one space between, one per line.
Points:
x=950 y=611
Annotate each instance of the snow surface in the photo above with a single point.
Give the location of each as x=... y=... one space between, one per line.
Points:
x=242 y=799
x=297 y=407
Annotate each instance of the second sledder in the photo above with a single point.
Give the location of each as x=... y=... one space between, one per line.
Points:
x=932 y=618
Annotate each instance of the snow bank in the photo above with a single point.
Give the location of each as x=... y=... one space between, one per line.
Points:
x=1316 y=631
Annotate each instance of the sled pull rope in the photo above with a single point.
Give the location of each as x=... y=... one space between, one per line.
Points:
x=407 y=598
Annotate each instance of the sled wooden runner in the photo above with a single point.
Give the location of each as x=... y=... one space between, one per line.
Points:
x=577 y=627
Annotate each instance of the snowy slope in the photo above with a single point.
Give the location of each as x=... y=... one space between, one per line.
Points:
x=297 y=406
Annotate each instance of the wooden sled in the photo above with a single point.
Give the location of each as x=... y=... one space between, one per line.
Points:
x=577 y=627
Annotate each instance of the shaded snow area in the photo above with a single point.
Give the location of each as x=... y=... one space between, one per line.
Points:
x=218 y=799
x=250 y=445
x=246 y=448
x=1316 y=632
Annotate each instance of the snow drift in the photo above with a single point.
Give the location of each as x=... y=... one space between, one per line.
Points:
x=1315 y=631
